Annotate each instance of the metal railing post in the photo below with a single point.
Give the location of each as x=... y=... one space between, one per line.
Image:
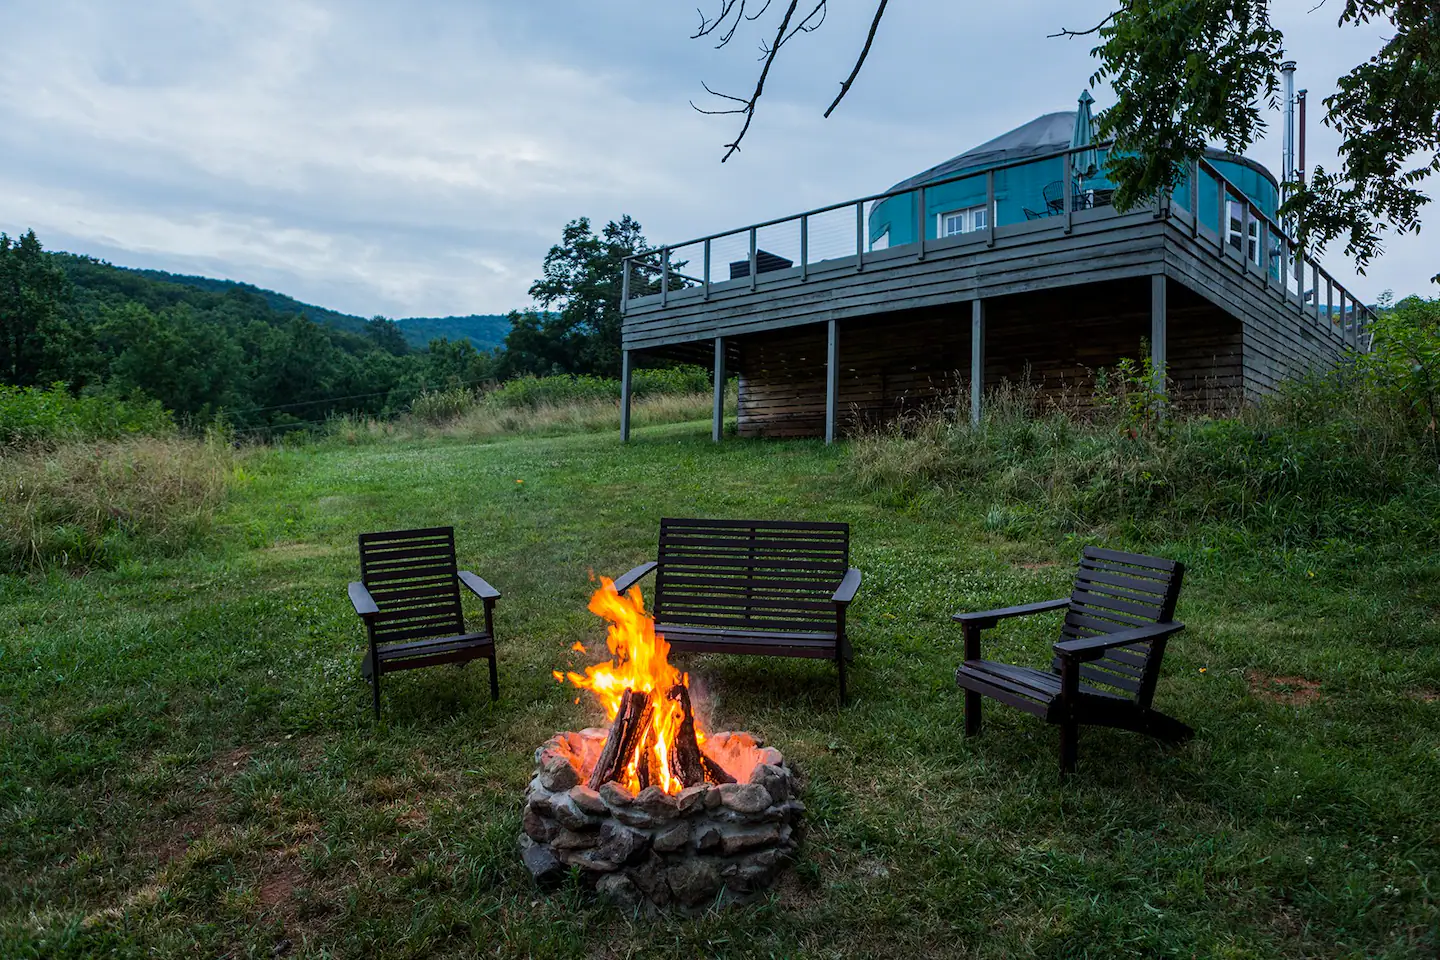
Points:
x=1067 y=189
x=625 y=287
x=1245 y=234
x=664 y=275
x=990 y=217
x=1329 y=303
x=1315 y=287
x=805 y=246
x=1195 y=199
x=920 y=222
x=1262 y=251
x=707 y=269
x=859 y=235
x=753 y=262
x=1222 y=224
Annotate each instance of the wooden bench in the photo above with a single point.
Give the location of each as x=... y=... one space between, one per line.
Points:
x=766 y=587
x=1106 y=664
x=409 y=598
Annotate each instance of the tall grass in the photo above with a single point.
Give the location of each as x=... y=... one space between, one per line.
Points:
x=541 y=406
x=1326 y=456
x=77 y=505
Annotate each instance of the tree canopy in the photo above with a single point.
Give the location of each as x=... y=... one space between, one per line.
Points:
x=577 y=328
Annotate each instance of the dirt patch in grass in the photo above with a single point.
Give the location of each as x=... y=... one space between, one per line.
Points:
x=277 y=886
x=167 y=841
x=1290 y=691
x=1424 y=695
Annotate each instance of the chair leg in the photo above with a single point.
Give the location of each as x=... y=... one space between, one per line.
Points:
x=1069 y=740
x=840 y=662
x=375 y=689
x=972 y=713
x=494 y=680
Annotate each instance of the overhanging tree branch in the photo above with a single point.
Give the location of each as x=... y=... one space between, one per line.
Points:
x=733 y=13
x=860 y=62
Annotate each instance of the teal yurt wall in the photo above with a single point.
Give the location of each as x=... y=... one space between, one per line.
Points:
x=1020 y=190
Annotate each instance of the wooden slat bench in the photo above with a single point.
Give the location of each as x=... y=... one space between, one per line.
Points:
x=765 y=587
x=1106 y=664
x=409 y=598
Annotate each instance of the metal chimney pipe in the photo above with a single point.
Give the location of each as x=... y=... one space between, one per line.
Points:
x=1287 y=147
x=1300 y=167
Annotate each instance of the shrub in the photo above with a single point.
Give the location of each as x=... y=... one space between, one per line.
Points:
x=442 y=406
x=531 y=391
x=91 y=504
x=35 y=415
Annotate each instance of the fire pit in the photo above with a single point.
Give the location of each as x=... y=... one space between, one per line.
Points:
x=652 y=810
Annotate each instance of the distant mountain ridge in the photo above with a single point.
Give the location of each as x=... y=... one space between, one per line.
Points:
x=484 y=330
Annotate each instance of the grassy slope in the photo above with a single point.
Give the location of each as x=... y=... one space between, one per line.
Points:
x=214 y=698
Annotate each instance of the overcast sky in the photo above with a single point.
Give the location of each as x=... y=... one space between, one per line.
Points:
x=419 y=158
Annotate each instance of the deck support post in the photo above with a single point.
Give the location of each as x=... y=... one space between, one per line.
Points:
x=832 y=381
x=977 y=358
x=624 y=396
x=718 y=429
x=1158 y=336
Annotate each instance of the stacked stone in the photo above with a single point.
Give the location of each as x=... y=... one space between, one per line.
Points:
x=706 y=844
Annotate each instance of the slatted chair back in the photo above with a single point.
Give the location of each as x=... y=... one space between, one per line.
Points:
x=1117 y=591
x=413 y=577
x=750 y=574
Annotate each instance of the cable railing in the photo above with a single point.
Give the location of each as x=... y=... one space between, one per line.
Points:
x=1064 y=188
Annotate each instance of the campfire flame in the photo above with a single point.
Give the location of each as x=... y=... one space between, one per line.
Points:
x=640 y=662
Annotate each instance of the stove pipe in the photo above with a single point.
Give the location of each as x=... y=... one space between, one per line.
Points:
x=1287 y=148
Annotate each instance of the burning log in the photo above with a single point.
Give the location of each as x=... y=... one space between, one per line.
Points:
x=631 y=727
x=688 y=763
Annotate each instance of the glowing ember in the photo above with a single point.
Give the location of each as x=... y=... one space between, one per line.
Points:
x=665 y=727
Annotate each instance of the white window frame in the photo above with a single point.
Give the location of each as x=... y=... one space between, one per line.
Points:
x=1233 y=214
x=970 y=220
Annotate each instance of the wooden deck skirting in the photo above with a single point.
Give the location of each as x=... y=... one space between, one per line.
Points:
x=822 y=347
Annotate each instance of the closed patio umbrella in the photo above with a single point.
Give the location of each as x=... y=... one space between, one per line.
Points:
x=1086 y=162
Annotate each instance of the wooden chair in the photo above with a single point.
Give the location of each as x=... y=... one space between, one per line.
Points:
x=1117 y=621
x=409 y=598
x=764 y=587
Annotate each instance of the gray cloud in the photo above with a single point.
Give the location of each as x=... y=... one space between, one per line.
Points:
x=420 y=158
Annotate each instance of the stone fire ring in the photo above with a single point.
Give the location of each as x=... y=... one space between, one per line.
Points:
x=707 y=844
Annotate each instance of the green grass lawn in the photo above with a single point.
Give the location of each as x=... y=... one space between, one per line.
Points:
x=188 y=765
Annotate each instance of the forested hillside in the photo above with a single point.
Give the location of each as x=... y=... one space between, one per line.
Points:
x=260 y=359
x=484 y=330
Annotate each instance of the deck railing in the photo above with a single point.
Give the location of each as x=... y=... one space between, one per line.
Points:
x=838 y=236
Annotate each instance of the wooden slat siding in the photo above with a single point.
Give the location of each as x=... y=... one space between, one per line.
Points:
x=1116 y=591
x=1269 y=341
x=412 y=576
x=756 y=576
x=1279 y=341
x=905 y=362
x=954 y=272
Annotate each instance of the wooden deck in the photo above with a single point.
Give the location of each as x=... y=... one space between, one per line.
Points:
x=823 y=344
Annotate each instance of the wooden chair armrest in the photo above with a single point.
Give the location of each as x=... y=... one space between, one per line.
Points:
x=364 y=603
x=628 y=580
x=479 y=587
x=988 y=618
x=846 y=591
x=1092 y=648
